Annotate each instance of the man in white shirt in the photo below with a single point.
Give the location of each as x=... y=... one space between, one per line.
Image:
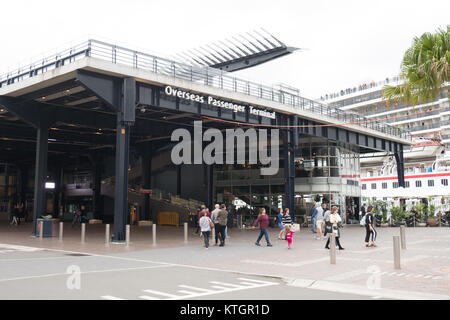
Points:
x=214 y=214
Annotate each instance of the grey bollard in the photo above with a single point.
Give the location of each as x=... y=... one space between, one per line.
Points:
x=396 y=252
x=154 y=234
x=41 y=230
x=83 y=232
x=61 y=226
x=402 y=237
x=332 y=249
x=107 y=236
x=185 y=232
x=127 y=235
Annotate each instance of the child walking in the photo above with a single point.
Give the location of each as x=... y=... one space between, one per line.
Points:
x=289 y=231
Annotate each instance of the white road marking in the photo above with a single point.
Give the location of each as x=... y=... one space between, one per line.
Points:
x=227 y=287
x=221 y=288
x=168 y=295
x=187 y=292
x=226 y=284
x=19 y=248
x=149 y=298
x=85 y=272
x=194 y=288
x=111 y=298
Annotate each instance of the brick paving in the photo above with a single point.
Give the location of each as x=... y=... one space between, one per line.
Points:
x=425 y=264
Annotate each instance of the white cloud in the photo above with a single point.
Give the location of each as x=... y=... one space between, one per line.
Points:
x=348 y=41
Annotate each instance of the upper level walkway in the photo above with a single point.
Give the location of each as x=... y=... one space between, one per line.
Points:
x=121 y=62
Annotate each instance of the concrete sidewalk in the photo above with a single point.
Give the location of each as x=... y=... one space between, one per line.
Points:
x=425 y=264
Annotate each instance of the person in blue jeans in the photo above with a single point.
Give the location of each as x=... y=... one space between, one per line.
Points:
x=263 y=220
x=279 y=220
x=313 y=219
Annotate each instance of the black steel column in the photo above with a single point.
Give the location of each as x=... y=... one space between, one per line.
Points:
x=398 y=153
x=40 y=175
x=126 y=109
x=121 y=180
x=289 y=167
x=209 y=185
x=147 y=178
x=97 y=199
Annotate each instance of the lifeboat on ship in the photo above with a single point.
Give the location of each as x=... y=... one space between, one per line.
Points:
x=423 y=148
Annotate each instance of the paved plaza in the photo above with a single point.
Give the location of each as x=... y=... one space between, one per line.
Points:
x=173 y=269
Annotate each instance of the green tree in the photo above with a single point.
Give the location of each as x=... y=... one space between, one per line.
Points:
x=424 y=69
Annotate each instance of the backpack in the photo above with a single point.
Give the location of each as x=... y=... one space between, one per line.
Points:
x=363 y=220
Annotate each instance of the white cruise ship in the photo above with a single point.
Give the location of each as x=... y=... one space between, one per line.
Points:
x=427 y=162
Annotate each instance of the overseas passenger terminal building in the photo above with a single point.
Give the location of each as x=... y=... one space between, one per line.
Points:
x=92 y=126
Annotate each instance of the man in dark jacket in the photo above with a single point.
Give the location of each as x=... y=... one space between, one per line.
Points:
x=222 y=218
x=263 y=220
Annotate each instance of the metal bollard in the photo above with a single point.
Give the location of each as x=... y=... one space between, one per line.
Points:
x=396 y=252
x=107 y=236
x=41 y=230
x=61 y=226
x=127 y=235
x=185 y=232
x=332 y=248
x=83 y=232
x=154 y=234
x=402 y=237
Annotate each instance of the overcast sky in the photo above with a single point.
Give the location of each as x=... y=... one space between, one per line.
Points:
x=347 y=42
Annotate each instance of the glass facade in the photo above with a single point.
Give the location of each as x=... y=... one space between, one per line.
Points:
x=325 y=171
x=9 y=184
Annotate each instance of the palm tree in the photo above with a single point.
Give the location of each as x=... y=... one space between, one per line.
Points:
x=424 y=69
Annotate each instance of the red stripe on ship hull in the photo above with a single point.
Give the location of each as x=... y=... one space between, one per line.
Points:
x=430 y=175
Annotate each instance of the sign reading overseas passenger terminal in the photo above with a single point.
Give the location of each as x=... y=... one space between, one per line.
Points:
x=217 y=102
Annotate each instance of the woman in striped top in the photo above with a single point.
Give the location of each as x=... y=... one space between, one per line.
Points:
x=287 y=220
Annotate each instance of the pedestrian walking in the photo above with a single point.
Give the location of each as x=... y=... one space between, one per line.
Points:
x=76 y=217
x=263 y=220
x=370 y=228
x=279 y=219
x=197 y=220
x=289 y=235
x=313 y=217
x=287 y=219
x=222 y=219
x=335 y=220
x=319 y=217
x=206 y=224
x=15 y=215
x=214 y=214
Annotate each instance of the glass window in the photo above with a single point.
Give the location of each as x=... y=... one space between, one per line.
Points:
x=364 y=186
x=384 y=185
x=373 y=186
x=431 y=183
x=418 y=184
x=444 y=182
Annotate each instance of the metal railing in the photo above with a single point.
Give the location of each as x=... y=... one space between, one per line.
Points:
x=204 y=75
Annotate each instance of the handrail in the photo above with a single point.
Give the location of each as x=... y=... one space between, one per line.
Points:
x=205 y=75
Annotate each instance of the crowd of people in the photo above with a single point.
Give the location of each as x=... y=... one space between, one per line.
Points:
x=324 y=222
x=361 y=87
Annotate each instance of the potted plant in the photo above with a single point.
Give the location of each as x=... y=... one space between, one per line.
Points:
x=397 y=215
x=421 y=213
x=432 y=220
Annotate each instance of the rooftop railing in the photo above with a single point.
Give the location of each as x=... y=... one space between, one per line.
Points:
x=204 y=75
